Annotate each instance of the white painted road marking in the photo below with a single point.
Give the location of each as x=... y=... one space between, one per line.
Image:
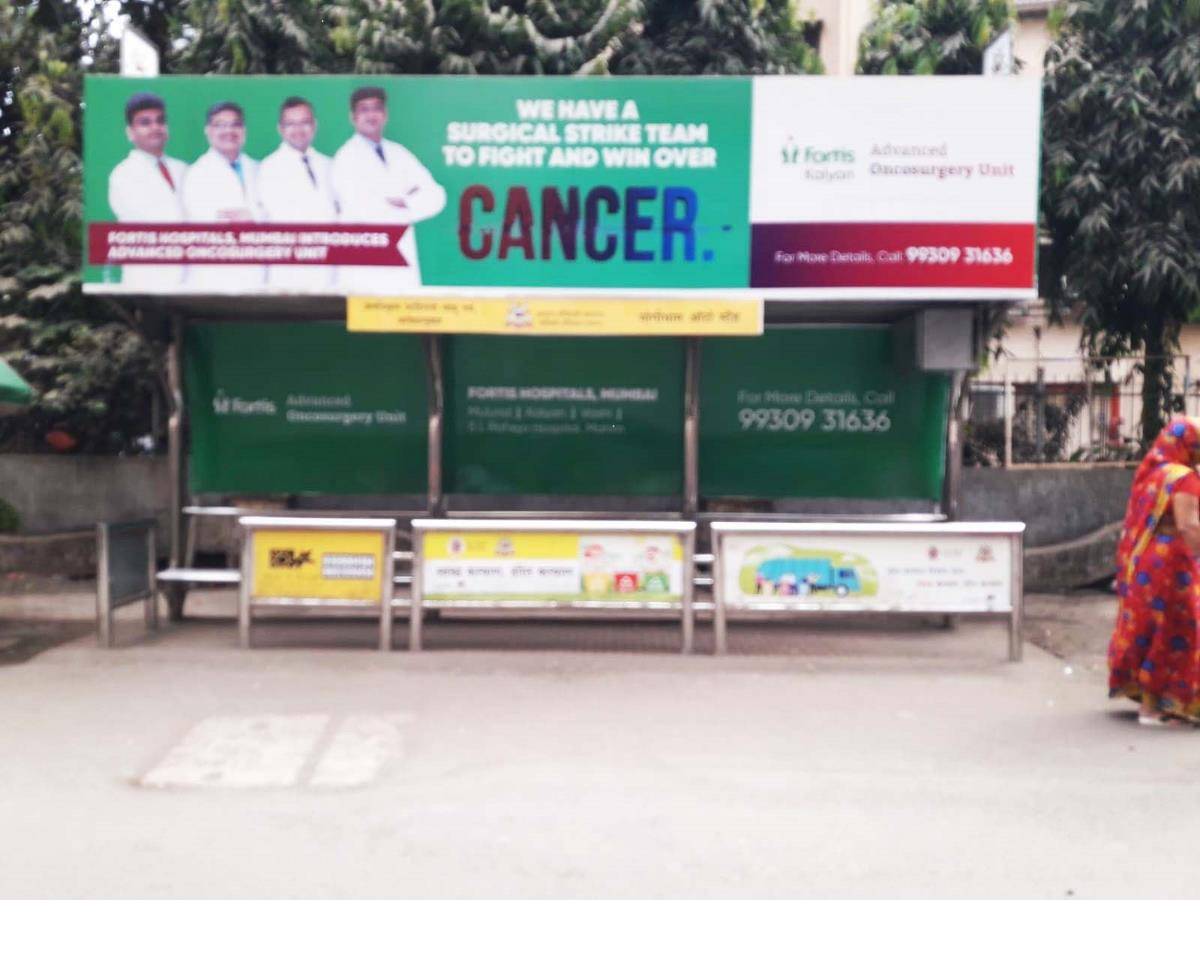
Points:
x=361 y=748
x=265 y=751
x=247 y=751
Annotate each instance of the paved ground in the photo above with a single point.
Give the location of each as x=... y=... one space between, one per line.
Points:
x=548 y=760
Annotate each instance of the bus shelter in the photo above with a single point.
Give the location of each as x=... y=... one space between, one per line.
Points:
x=674 y=298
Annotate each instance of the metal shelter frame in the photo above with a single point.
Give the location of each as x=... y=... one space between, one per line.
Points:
x=182 y=539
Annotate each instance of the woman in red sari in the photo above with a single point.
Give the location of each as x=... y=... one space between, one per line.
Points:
x=1154 y=656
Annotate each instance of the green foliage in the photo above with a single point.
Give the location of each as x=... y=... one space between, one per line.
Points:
x=932 y=37
x=541 y=37
x=92 y=373
x=251 y=37
x=1121 y=179
x=481 y=37
x=719 y=37
x=10 y=520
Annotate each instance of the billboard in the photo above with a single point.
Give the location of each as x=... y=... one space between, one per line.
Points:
x=781 y=187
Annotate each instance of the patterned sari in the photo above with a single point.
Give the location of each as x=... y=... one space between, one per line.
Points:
x=1154 y=655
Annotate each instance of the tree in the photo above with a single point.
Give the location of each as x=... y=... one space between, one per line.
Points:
x=94 y=374
x=719 y=37
x=541 y=37
x=932 y=37
x=1121 y=179
x=482 y=37
x=250 y=37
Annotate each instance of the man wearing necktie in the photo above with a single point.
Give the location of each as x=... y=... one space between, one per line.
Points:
x=378 y=181
x=222 y=186
x=145 y=186
x=296 y=186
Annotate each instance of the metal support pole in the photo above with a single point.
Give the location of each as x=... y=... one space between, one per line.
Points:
x=176 y=591
x=389 y=586
x=687 y=610
x=245 y=588
x=433 y=366
x=152 y=578
x=1187 y=381
x=1091 y=408
x=104 y=612
x=691 y=430
x=1039 y=416
x=720 y=645
x=1008 y=417
x=953 y=479
x=1016 y=617
x=415 y=612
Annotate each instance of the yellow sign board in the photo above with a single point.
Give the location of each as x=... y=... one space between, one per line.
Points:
x=546 y=565
x=319 y=564
x=547 y=316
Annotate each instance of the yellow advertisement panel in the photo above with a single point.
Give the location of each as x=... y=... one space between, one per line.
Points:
x=566 y=316
x=319 y=564
x=544 y=565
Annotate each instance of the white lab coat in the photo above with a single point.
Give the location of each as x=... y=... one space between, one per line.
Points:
x=288 y=195
x=362 y=183
x=211 y=186
x=138 y=193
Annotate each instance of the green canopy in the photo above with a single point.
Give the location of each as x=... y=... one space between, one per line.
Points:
x=14 y=392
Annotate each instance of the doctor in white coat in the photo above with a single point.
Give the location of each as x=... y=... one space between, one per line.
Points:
x=223 y=186
x=377 y=181
x=145 y=187
x=295 y=185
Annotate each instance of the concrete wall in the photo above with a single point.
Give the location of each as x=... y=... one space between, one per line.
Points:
x=1057 y=503
x=64 y=493
x=1072 y=516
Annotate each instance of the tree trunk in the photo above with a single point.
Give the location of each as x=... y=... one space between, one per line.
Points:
x=1156 y=382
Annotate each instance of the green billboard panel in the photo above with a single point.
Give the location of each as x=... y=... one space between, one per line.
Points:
x=821 y=413
x=305 y=408
x=567 y=416
x=590 y=182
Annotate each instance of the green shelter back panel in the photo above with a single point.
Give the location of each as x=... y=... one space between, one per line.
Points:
x=305 y=408
x=821 y=412
x=594 y=416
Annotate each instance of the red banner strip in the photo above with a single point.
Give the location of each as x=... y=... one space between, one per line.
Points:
x=999 y=256
x=112 y=243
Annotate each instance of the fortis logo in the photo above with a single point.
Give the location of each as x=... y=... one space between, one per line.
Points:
x=223 y=404
x=795 y=155
x=290 y=558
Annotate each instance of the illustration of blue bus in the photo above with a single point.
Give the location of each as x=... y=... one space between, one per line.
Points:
x=800 y=576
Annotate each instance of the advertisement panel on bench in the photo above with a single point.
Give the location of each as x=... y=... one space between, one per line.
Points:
x=306 y=563
x=416 y=185
x=552 y=566
x=885 y=572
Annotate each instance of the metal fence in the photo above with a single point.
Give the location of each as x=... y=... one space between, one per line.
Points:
x=1065 y=409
